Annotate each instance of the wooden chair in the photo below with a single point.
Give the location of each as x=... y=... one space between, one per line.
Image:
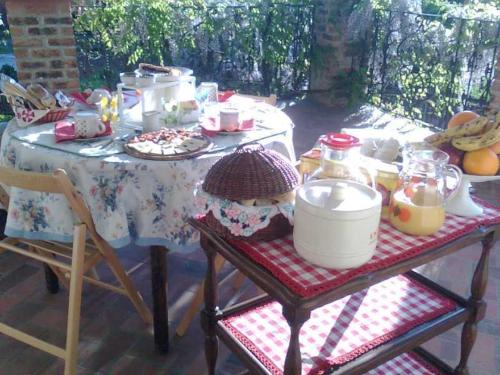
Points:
x=70 y=263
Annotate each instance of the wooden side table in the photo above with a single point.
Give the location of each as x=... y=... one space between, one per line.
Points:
x=254 y=341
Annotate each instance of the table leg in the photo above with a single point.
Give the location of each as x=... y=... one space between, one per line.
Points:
x=158 y=256
x=51 y=280
x=209 y=313
x=295 y=318
x=476 y=305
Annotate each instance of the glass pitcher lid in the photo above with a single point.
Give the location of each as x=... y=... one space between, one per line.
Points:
x=339 y=141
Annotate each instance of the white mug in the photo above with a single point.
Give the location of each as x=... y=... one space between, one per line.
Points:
x=88 y=125
x=229 y=119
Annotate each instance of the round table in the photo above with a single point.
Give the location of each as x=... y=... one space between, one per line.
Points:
x=132 y=200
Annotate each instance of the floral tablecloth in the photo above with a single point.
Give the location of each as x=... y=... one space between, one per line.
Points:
x=131 y=200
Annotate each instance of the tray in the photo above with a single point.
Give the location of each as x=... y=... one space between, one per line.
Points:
x=180 y=156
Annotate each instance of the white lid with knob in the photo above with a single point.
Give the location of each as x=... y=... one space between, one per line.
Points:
x=331 y=198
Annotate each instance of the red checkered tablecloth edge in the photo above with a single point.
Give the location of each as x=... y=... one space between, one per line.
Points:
x=307 y=280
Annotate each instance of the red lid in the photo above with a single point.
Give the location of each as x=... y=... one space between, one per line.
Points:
x=339 y=141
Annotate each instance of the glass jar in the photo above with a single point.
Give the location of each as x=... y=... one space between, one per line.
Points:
x=341 y=159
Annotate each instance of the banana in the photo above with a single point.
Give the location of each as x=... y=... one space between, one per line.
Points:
x=471 y=143
x=470 y=128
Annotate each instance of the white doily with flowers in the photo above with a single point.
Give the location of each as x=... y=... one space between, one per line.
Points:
x=241 y=220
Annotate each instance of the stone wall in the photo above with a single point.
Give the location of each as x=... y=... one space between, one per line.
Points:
x=44 y=43
x=332 y=60
x=338 y=59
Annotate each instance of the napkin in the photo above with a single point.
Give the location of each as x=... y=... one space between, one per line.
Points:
x=65 y=131
x=224 y=95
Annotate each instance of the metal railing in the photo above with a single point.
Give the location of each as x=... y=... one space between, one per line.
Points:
x=243 y=49
x=428 y=66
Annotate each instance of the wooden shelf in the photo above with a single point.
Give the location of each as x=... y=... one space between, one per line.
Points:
x=360 y=365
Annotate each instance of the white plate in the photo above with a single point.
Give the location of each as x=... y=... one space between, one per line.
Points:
x=474 y=178
x=236 y=132
x=95 y=139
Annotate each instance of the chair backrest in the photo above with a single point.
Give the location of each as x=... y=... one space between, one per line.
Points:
x=271 y=100
x=57 y=183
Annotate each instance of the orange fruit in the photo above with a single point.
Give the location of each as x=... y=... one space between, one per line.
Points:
x=482 y=162
x=461 y=118
x=495 y=148
x=404 y=215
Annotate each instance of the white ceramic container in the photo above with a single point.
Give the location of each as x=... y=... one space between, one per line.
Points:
x=128 y=78
x=336 y=223
x=145 y=80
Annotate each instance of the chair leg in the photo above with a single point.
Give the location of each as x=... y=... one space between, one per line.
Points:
x=75 y=299
x=120 y=273
x=197 y=301
x=239 y=278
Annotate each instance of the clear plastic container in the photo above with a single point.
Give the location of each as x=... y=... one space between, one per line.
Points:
x=341 y=159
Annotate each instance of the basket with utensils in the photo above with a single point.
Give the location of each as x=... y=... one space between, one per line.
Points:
x=249 y=194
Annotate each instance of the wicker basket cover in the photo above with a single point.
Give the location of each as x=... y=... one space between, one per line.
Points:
x=251 y=172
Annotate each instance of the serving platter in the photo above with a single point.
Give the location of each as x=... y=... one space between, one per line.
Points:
x=151 y=146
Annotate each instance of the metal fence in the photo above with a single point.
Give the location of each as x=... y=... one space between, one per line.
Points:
x=239 y=52
x=428 y=67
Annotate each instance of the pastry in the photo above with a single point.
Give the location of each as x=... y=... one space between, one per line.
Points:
x=42 y=95
x=158 y=69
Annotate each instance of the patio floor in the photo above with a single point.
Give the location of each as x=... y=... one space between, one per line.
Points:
x=114 y=340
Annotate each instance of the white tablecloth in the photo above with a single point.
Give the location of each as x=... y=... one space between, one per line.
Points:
x=131 y=200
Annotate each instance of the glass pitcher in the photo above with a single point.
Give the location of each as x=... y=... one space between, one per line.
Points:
x=340 y=159
x=417 y=203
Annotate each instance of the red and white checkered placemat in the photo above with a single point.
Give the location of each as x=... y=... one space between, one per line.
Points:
x=405 y=364
x=340 y=331
x=307 y=280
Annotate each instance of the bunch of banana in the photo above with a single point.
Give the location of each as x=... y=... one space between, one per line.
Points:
x=471 y=128
x=490 y=136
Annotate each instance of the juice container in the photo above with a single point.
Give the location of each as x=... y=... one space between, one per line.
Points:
x=417 y=203
x=387 y=180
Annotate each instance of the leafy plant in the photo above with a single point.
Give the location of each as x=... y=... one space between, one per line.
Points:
x=261 y=45
x=426 y=66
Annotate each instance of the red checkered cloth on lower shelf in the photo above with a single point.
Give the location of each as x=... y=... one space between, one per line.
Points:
x=280 y=258
x=340 y=331
x=405 y=364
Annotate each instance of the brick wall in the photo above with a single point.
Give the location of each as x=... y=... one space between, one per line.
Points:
x=44 y=43
x=333 y=60
x=495 y=88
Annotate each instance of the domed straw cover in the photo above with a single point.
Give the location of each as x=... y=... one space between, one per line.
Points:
x=251 y=172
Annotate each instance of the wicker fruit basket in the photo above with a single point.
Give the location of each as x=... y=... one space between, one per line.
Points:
x=249 y=194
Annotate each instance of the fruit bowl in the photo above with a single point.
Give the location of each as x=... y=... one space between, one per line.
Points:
x=461 y=203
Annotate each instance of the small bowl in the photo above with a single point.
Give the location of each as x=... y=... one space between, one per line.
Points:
x=128 y=78
x=145 y=79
